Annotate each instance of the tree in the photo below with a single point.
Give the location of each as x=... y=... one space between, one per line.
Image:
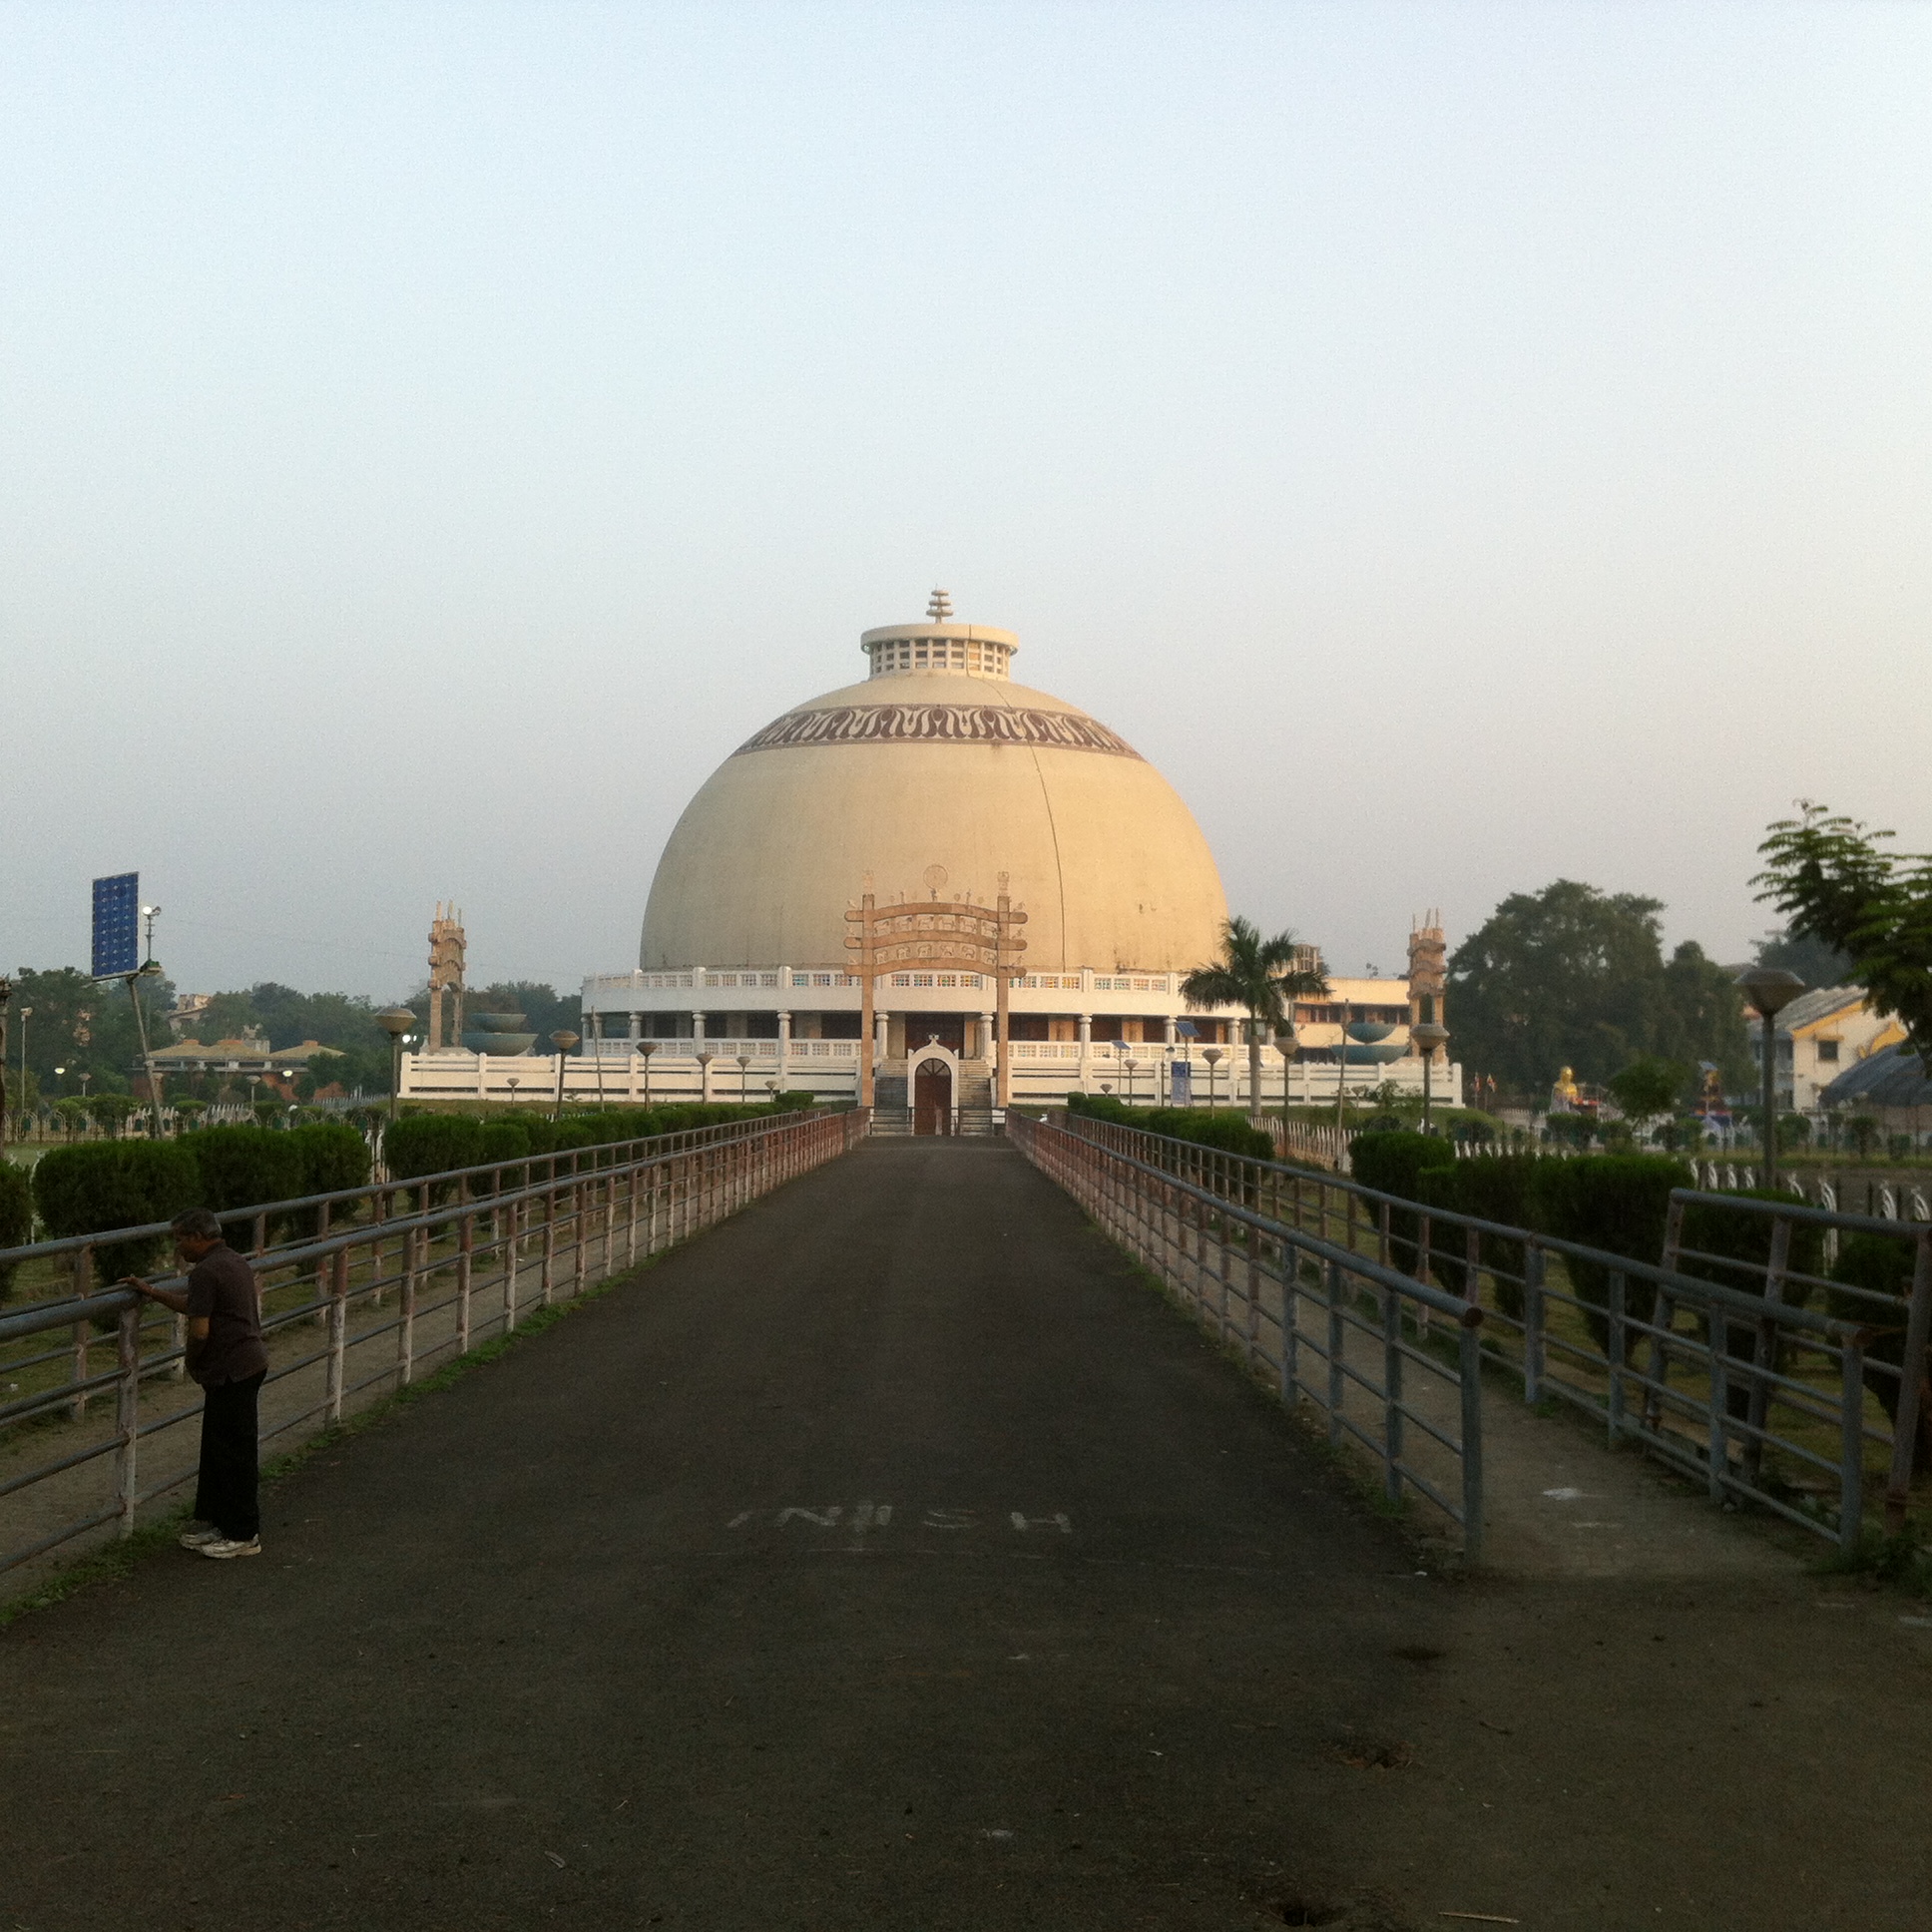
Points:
x=1648 y=1086
x=1811 y=959
x=1263 y=975
x=86 y=1025
x=1574 y=977
x=1829 y=875
x=111 y=1111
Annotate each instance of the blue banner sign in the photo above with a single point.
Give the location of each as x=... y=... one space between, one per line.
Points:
x=1180 y=1073
x=117 y=924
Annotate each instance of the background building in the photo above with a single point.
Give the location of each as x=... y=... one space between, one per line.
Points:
x=1820 y=1036
x=938 y=781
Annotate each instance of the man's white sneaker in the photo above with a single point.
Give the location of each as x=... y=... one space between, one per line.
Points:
x=226 y=1546
x=198 y=1539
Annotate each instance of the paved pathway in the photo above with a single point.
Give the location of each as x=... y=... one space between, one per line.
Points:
x=893 y=1558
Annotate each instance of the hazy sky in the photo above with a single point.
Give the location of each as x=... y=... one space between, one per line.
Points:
x=1463 y=446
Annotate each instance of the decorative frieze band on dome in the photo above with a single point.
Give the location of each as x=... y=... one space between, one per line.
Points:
x=938 y=724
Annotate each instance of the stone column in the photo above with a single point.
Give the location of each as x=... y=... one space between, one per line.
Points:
x=881 y=1032
x=696 y=1027
x=1168 y=1036
x=785 y=1046
x=986 y=1041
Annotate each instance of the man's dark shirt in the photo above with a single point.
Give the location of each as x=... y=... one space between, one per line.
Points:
x=220 y=1286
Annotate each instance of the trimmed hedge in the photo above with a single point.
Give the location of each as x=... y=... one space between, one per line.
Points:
x=334 y=1156
x=1746 y=1239
x=243 y=1167
x=1224 y=1129
x=1881 y=1265
x=420 y=1144
x=1495 y=1188
x=1393 y=1163
x=16 y=1216
x=1615 y=1201
x=99 y=1185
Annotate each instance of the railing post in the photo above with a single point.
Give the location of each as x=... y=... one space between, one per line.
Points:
x=580 y=1250
x=550 y=1242
x=413 y=1243
x=465 y=1262
x=1765 y=1350
x=1471 y=1355
x=1290 y=1326
x=1392 y=1394
x=513 y=1215
x=338 y=1328
x=379 y=1204
x=1615 y=1351
x=1851 y=1444
x=1533 y=1313
x=324 y=1266
x=1253 y=1291
x=127 y=1412
x=83 y=1287
x=1911 y=1378
x=1338 y=1382
x=1717 y=1348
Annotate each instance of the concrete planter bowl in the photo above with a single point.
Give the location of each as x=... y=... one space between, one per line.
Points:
x=498 y=1034
x=1370 y=1045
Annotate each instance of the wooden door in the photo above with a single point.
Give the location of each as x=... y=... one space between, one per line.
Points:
x=932 y=1098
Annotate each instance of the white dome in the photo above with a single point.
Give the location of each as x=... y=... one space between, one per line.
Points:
x=922 y=767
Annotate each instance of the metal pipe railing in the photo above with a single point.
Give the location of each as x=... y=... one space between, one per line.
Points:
x=1784 y=1424
x=1363 y=1326
x=596 y=1220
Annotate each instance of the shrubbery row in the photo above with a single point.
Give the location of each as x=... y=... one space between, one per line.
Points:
x=421 y=1144
x=1617 y=1203
x=1207 y=1127
x=97 y=1185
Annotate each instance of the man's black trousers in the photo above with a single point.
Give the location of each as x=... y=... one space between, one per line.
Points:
x=226 y=1492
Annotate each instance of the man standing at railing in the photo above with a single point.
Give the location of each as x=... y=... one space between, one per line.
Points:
x=225 y=1355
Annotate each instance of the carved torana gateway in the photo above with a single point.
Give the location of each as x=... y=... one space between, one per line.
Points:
x=936 y=932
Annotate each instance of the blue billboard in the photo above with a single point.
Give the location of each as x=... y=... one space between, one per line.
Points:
x=117 y=924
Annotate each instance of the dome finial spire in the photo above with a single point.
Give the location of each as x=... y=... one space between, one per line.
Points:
x=939 y=606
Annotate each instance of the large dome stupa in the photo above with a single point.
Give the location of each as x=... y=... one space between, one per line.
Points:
x=936 y=772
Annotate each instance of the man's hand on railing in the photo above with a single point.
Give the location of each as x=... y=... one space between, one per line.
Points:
x=174 y=1298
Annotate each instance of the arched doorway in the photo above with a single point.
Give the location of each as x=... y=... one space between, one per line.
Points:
x=932 y=1095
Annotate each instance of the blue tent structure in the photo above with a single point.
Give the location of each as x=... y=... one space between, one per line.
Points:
x=1892 y=1077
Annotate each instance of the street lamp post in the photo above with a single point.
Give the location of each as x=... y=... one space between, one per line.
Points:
x=1130 y=1066
x=1285 y=1046
x=1429 y=1037
x=705 y=1077
x=395 y=1022
x=1769 y=990
x=1213 y=1057
x=743 y=1069
x=645 y=1047
x=563 y=1040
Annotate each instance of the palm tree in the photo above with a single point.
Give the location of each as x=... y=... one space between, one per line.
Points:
x=1264 y=976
